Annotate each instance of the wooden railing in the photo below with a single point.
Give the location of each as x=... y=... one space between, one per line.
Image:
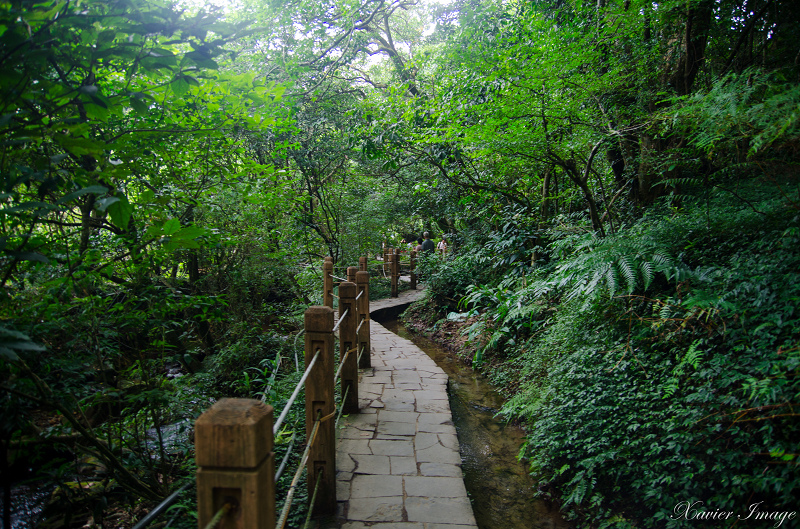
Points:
x=392 y=267
x=234 y=438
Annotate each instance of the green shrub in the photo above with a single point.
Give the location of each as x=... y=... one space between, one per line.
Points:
x=449 y=280
x=235 y=367
x=686 y=395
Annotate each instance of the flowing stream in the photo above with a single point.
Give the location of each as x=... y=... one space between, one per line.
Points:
x=499 y=485
x=27 y=504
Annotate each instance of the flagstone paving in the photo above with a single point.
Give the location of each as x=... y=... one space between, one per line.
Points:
x=398 y=461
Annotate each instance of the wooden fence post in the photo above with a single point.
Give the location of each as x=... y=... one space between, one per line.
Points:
x=412 y=255
x=362 y=263
x=386 y=253
x=236 y=464
x=395 y=272
x=348 y=341
x=327 y=282
x=351 y=273
x=320 y=404
x=362 y=283
x=389 y=259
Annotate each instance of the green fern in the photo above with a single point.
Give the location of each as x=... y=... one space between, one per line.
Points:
x=626 y=265
x=647 y=273
x=618 y=263
x=756 y=108
x=691 y=358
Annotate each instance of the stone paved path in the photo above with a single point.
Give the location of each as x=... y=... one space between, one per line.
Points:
x=405 y=298
x=398 y=461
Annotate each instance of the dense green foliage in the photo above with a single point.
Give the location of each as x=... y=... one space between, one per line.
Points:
x=640 y=306
x=685 y=391
x=617 y=181
x=154 y=245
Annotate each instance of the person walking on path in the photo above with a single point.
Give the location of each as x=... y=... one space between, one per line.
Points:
x=442 y=247
x=427 y=244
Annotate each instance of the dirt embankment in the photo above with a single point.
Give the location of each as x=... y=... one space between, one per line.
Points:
x=453 y=336
x=448 y=334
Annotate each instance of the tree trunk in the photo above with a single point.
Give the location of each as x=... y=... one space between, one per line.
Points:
x=597 y=224
x=680 y=75
x=693 y=46
x=582 y=181
x=646 y=189
x=545 y=211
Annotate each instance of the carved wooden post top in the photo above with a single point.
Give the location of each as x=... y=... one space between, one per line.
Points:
x=318 y=319
x=347 y=290
x=234 y=433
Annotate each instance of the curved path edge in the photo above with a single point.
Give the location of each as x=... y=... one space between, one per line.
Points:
x=398 y=461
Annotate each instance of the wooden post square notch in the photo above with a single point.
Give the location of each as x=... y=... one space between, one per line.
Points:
x=236 y=464
x=320 y=404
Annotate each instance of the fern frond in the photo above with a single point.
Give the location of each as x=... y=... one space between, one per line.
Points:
x=628 y=270
x=618 y=262
x=646 y=268
x=661 y=260
x=692 y=358
x=683 y=181
x=693 y=355
x=597 y=276
x=611 y=277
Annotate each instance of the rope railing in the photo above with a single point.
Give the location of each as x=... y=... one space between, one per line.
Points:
x=287 y=504
x=341 y=319
x=285 y=460
x=276 y=427
x=360 y=355
x=341 y=408
x=341 y=364
x=296 y=363
x=218 y=517
x=235 y=438
x=161 y=507
x=312 y=502
x=339 y=278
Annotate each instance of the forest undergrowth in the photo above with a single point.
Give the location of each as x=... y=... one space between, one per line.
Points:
x=102 y=424
x=653 y=367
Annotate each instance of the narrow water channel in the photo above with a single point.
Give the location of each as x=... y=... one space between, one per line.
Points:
x=498 y=484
